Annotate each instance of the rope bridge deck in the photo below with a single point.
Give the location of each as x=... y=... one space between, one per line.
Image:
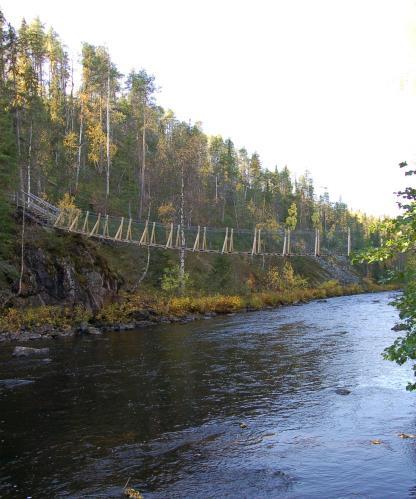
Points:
x=227 y=241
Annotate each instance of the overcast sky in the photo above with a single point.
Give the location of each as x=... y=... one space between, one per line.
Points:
x=323 y=85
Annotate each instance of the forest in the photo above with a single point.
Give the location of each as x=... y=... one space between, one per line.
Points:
x=88 y=135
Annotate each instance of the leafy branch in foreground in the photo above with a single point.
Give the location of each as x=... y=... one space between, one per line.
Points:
x=401 y=238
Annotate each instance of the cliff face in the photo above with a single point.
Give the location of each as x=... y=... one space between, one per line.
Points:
x=61 y=269
x=79 y=278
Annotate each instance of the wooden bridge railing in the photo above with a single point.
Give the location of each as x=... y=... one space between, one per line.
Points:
x=259 y=241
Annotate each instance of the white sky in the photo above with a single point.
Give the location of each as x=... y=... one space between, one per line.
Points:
x=323 y=85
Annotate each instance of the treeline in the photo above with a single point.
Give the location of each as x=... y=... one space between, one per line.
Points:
x=105 y=141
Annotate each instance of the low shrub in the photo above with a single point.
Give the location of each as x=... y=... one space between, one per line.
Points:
x=131 y=305
x=13 y=319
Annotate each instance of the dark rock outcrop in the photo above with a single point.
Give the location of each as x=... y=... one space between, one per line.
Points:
x=342 y=391
x=14 y=383
x=30 y=352
x=66 y=270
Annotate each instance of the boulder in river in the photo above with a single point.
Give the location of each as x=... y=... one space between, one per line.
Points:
x=407 y=435
x=399 y=327
x=342 y=391
x=30 y=352
x=94 y=331
x=85 y=328
x=14 y=383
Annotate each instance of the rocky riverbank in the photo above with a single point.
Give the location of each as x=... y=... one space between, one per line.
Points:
x=135 y=314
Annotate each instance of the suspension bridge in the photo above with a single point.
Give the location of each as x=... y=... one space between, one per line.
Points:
x=226 y=241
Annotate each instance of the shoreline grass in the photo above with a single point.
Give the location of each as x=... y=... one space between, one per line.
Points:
x=129 y=307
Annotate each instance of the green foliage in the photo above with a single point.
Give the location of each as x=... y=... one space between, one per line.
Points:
x=173 y=282
x=292 y=217
x=316 y=219
x=62 y=135
x=14 y=319
x=219 y=276
x=8 y=176
x=55 y=136
x=401 y=238
x=284 y=279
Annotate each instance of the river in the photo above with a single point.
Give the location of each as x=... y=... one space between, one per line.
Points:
x=237 y=406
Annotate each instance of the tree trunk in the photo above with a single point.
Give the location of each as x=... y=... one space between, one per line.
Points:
x=19 y=151
x=182 y=250
x=143 y=163
x=81 y=124
x=22 y=247
x=29 y=159
x=107 y=190
x=71 y=111
x=139 y=155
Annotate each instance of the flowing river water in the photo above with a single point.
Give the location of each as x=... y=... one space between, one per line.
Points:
x=238 y=406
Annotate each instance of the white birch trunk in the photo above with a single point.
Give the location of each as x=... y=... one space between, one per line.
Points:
x=81 y=125
x=142 y=179
x=182 y=249
x=22 y=247
x=107 y=191
x=29 y=160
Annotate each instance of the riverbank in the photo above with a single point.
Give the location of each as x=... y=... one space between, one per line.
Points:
x=132 y=311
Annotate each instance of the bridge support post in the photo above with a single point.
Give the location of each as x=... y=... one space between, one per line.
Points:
x=128 y=234
x=105 y=229
x=153 y=235
x=225 y=245
x=254 y=248
x=317 y=243
x=259 y=241
x=349 y=242
x=231 y=242
x=284 y=244
x=170 y=237
x=145 y=236
x=96 y=225
x=119 y=232
x=196 y=243
x=178 y=237
x=85 y=227
x=59 y=218
x=74 y=223
x=204 y=239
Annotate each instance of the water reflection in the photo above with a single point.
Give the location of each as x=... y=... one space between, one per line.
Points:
x=164 y=407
